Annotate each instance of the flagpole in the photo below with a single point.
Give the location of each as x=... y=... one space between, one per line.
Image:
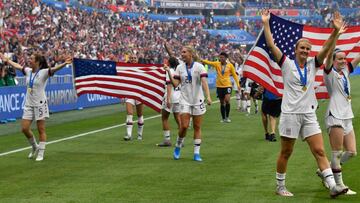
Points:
x=256 y=41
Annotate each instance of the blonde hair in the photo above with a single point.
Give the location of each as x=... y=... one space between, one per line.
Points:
x=192 y=51
x=302 y=40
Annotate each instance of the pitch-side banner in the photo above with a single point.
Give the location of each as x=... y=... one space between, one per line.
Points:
x=234 y=36
x=61 y=97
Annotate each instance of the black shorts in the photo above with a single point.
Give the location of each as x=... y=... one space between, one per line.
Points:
x=271 y=107
x=222 y=91
x=242 y=82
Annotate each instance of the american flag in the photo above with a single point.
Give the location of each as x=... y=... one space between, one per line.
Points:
x=143 y=82
x=261 y=67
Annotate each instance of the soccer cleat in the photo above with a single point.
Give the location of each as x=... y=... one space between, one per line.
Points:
x=282 y=191
x=350 y=192
x=33 y=152
x=166 y=143
x=272 y=137
x=267 y=136
x=127 y=138
x=139 y=137
x=256 y=111
x=177 y=153
x=39 y=157
x=222 y=121
x=227 y=120
x=338 y=190
x=325 y=184
x=197 y=157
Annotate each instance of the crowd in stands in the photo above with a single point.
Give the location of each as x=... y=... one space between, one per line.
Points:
x=27 y=26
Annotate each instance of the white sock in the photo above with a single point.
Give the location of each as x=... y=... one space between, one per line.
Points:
x=248 y=107
x=140 y=128
x=244 y=105
x=179 y=141
x=238 y=103
x=167 y=135
x=32 y=142
x=335 y=159
x=280 y=179
x=256 y=105
x=197 y=143
x=346 y=156
x=129 y=125
x=41 y=149
x=329 y=177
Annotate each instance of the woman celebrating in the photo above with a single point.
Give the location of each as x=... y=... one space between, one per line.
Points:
x=298 y=117
x=36 y=107
x=192 y=77
x=338 y=117
x=223 y=83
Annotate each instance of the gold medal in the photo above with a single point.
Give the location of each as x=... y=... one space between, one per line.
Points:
x=349 y=97
x=304 y=88
x=29 y=90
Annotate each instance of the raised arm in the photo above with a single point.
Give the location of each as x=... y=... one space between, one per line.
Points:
x=10 y=62
x=356 y=61
x=60 y=66
x=329 y=57
x=331 y=41
x=265 y=17
x=168 y=49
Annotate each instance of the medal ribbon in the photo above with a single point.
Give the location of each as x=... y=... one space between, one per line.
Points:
x=303 y=78
x=188 y=70
x=32 y=79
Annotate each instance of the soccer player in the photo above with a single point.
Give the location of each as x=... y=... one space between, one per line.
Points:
x=130 y=104
x=193 y=79
x=223 y=83
x=298 y=117
x=339 y=115
x=170 y=104
x=36 y=107
x=270 y=111
x=237 y=61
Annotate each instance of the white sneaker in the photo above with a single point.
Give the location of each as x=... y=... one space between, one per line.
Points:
x=227 y=120
x=127 y=137
x=350 y=192
x=139 y=137
x=282 y=191
x=338 y=190
x=40 y=156
x=325 y=184
x=33 y=152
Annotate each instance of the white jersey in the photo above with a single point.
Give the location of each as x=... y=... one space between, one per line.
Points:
x=295 y=99
x=175 y=92
x=339 y=105
x=191 y=87
x=37 y=96
x=239 y=70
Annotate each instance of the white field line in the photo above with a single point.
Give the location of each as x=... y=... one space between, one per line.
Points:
x=79 y=135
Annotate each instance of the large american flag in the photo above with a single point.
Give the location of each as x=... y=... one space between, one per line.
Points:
x=261 y=67
x=143 y=82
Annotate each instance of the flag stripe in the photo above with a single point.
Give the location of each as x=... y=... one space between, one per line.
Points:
x=122 y=88
x=116 y=81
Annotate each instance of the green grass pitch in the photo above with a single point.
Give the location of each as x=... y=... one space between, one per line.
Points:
x=239 y=165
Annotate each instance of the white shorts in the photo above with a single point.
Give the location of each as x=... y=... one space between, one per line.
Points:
x=247 y=89
x=346 y=124
x=298 y=125
x=132 y=101
x=175 y=107
x=195 y=110
x=36 y=112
